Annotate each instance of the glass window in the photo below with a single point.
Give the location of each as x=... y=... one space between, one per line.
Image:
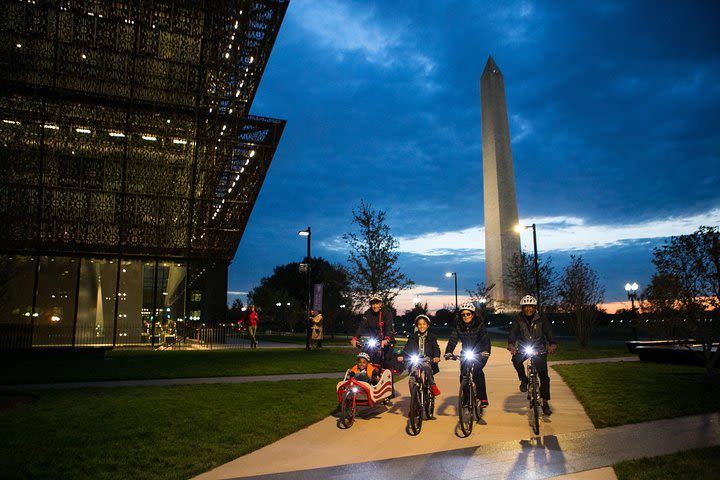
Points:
x=130 y=303
x=96 y=302
x=17 y=282
x=170 y=301
x=55 y=304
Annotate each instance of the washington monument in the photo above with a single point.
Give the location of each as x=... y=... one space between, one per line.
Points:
x=501 y=213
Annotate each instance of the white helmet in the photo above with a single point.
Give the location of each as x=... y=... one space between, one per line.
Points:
x=528 y=300
x=364 y=355
x=467 y=306
x=375 y=298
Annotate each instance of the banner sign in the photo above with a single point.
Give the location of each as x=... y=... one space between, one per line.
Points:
x=317 y=297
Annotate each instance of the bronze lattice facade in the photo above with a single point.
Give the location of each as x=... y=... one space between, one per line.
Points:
x=129 y=164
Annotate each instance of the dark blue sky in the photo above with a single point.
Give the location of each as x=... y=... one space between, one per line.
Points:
x=614 y=112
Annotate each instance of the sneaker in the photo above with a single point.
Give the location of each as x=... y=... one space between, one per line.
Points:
x=484 y=403
x=435 y=390
x=523 y=386
x=546 y=409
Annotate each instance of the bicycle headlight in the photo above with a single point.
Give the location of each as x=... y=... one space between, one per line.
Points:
x=529 y=351
x=469 y=355
x=372 y=343
x=415 y=359
x=354 y=389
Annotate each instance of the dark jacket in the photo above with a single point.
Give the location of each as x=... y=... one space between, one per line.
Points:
x=432 y=349
x=473 y=336
x=376 y=325
x=535 y=330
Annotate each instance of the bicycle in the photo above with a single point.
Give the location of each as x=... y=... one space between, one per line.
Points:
x=470 y=409
x=422 y=401
x=533 y=393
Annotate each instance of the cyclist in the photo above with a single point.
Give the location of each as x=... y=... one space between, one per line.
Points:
x=529 y=329
x=363 y=371
x=377 y=323
x=421 y=343
x=473 y=335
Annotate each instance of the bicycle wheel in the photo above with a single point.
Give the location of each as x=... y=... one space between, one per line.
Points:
x=477 y=408
x=347 y=413
x=534 y=412
x=465 y=408
x=416 y=410
x=429 y=404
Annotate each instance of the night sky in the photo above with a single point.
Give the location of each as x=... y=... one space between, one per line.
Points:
x=614 y=112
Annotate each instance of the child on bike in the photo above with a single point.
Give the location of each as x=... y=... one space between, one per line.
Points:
x=363 y=371
x=423 y=343
x=471 y=332
x=530 y=329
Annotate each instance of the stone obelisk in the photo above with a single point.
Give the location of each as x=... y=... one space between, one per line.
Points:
x=501 y=213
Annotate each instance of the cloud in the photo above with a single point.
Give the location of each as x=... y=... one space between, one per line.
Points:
x=344 y=28
x=559 y=233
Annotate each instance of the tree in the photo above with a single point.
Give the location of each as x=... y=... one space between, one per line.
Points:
x=481 y=295
x=686 y=286
x=521 y=278
x=373 y=258
x=235 y=312
x=288 y=286
x=580 y=297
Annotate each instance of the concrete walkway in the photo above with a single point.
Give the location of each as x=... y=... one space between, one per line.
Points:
x=161 y=382
x=576 y=455
x=380 y=436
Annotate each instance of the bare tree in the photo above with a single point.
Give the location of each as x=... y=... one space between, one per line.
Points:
x=521 y=278
x=481 y=294
x=686 y=286
x=373 y=258
x=580 y=297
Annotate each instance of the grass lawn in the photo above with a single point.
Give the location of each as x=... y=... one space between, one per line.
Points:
x=631 y=392
x=697 y=463
x=126 y=364
x=570 y=350
x=151 y=432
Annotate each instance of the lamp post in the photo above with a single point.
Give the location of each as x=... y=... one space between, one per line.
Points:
x=631 y=289
x=307 y=233
x=536 y=267
x=454 y=274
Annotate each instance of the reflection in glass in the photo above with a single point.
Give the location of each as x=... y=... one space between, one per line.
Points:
x=96 y=302
x=55 y=304
x=17 y=277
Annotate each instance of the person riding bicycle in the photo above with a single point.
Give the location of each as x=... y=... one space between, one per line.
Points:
x=471 y=332
x=422 y=343
x=529 y=329
x=377 y=323
x=363 y=370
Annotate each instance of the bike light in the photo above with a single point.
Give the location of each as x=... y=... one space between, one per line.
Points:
x=529 y=351
x=469 y=355
x=415 y=359
x=372 y=342
x=355 y=389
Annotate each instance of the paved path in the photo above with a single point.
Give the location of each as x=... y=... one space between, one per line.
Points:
x=325 y=445
x=581 y=454
x=160 y=382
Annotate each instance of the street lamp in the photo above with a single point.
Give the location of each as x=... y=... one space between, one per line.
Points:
x=519 y=229
x=307 y=233
x=631 y=289
x=454 y=274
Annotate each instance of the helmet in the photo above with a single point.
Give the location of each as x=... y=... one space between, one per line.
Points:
x=375 y=298
x=364 y=355
x=467 y=306
x=422 y=317
x=528 y=300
